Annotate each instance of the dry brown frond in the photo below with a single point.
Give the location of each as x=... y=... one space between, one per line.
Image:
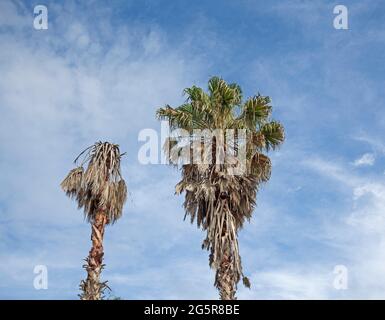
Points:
x=71 y=185
x=100 y=186
x=220 y=203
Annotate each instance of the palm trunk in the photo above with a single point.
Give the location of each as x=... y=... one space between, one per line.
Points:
x=227 y=275
x=225 y=278
x=92 y=288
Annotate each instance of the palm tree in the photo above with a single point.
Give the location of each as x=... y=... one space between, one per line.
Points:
x=219 y=200
x=101 y=191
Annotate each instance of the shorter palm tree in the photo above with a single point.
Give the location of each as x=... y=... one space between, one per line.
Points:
x=101 y=191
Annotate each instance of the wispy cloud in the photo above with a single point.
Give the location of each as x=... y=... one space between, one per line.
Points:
x=359 y=233
x=366 y=159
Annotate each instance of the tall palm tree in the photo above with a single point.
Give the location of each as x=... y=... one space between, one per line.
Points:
x=218 y=199
x=101 y=191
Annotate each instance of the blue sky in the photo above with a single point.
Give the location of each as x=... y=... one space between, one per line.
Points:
x=99 y=73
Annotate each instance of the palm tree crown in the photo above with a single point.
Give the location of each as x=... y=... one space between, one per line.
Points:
x=100 y=186
x=218 y=200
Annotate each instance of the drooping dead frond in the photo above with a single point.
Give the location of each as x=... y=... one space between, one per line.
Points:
x=260 y=167
x=246 y=282
x=100 y=186
x=220 y=203
x=114 y=198
x=71 y=185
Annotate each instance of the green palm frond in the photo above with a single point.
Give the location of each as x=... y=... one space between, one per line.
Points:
x=255 y=111
x=237 y=93
x=197 y=97
x=274 y=134
x=224 y=96
x=185 y=116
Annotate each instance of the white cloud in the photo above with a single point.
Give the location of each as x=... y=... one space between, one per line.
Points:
x=375 y=143
x=359 y=233
x=366 y=159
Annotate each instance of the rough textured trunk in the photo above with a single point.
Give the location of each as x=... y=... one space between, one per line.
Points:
x=224 y=257
x=92 y=288
x=225 y=278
